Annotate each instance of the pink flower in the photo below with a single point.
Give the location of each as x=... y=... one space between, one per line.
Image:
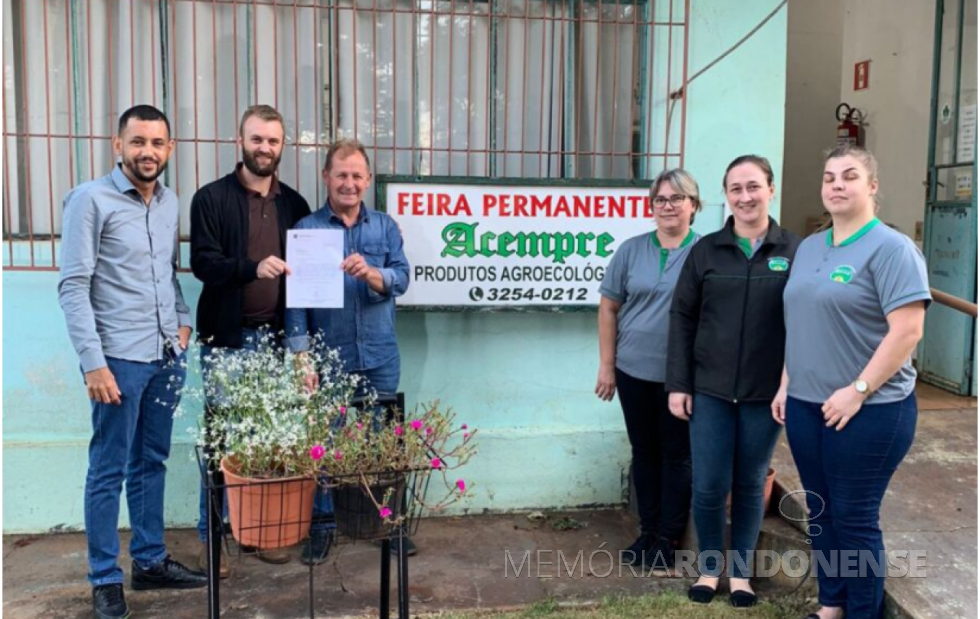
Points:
x=385 y=512
x=317 y=451
x=338 y=455
x=465 y=427
x=436 y=463
x=343 y=410
x=416 y=424
x=429 y=430
x=461 y=485
x=360 y=426
x=399 y=431
x=466 y=435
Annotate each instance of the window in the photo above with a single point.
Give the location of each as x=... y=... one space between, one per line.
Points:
x=507 y=88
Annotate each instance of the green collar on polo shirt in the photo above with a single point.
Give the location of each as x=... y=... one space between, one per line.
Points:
x=665 y=253
x=854 y=237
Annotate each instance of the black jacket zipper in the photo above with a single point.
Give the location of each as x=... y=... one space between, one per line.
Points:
x=741 y=333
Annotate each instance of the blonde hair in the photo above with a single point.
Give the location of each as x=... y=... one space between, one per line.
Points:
x=860 y=153
x=680 y=181
x=865 y=156
x=265 y=112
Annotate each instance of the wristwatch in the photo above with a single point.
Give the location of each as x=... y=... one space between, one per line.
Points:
x=861 y=386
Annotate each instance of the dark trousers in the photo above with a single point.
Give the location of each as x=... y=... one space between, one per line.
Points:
x=845 y=474
x=252 y=338
x=733 y=444
x=661 y=456
x=383 y=380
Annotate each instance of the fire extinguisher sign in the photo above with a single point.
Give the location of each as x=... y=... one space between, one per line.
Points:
x=862 y=74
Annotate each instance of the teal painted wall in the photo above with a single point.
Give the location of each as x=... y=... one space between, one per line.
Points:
x=525 y=380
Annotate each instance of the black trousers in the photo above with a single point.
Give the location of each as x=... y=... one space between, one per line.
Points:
x=661 y=446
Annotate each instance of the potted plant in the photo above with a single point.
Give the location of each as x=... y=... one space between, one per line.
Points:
x=274 y=439
x=378 y=465
x=262 y=428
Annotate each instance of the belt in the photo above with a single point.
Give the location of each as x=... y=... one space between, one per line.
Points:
x=258 y=324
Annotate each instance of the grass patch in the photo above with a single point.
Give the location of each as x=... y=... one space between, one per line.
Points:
x=666 y=605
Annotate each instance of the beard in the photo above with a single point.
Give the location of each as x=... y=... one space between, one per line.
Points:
x=133 y=165
x=252 y=164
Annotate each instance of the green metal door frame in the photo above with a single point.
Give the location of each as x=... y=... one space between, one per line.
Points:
x=937 y=206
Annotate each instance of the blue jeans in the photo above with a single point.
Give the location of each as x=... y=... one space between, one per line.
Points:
x=731 y=447
x=130 y=442
x=384 y=380
x=846 y=474
x=250 y=343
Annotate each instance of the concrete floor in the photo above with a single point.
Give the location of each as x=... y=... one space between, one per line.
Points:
x=930 y=507
x=461 y=564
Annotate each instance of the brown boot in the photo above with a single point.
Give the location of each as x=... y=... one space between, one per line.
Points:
x=202 y=561
x=277 y=556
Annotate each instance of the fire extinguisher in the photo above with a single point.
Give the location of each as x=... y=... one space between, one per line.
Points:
x=849 y=131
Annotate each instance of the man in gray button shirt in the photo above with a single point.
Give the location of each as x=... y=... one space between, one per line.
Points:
x=130 y=326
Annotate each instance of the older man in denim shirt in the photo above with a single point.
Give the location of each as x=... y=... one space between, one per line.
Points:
x=375 y=273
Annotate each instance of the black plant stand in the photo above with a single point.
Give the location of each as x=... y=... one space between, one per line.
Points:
x=214 y=483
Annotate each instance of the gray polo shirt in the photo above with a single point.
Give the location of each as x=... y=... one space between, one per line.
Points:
x=835 y=305
x=118 y=285
x=642 y=276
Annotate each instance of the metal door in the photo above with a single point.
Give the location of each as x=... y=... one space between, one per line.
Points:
x=947 y=352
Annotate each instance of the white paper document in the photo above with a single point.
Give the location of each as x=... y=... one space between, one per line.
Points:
x=314 y=256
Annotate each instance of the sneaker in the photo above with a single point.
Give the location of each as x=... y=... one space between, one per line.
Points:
x=633 y=555
x=316 y=549
x=168 y=574
x=275 y=557
x=109 y=602
x=202 y=561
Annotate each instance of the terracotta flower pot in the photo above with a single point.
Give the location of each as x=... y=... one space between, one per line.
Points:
x=268 y=513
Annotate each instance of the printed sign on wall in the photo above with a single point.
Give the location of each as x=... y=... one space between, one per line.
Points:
x=862 y=75
x=512 y=245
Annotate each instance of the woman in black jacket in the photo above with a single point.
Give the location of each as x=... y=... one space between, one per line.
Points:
x=725 y=360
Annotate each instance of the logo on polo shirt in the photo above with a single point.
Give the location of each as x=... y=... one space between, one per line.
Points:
x=778 y=264
x=842 y=274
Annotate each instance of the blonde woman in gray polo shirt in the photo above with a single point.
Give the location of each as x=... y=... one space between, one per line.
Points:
x=854 y=308
x=634 y=310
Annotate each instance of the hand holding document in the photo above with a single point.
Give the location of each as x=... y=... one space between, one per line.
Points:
x=314 y=257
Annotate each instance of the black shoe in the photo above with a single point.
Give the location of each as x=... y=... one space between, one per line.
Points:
x=636 y=552
x=316 y=549
x=660 y=555
x=742 y=599
x=168 y=574
x=701 y=594
x=109 y=602
x=410 y=548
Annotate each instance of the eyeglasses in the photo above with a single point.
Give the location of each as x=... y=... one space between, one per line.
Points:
x=675 y=200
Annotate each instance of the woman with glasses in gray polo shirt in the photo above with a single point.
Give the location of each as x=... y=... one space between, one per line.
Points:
x=634 y=310
x=854 y=306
